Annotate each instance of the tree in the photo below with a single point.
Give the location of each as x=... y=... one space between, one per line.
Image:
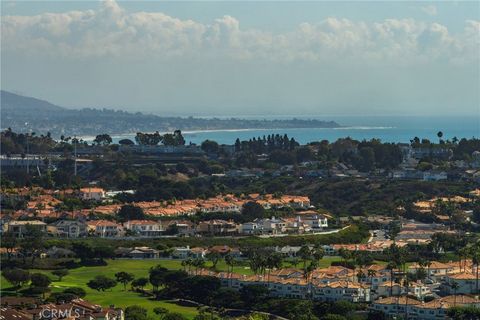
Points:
x=32 y=242
x=124 y=278
x=175 y=139
x=464 y=313
x=17 y=277
x=78 y=292
x=454 y=285
x=475 y=255
x=214 y=257
x=139 y=283
x=9 y=242
x=101 y=283
x=60 y=273
x=230 y=261
x=252 y=210
x=174 y=316
x=210 y=146
x=305 y=255
x=160 y=311
x=135 y=313
x=157 y=277
x=148 y=139
x=40 y=280
x=130 y=212
x=253 y=294
x=39 y=283
x=440 y=134
x=367 y=159
x=103 y=139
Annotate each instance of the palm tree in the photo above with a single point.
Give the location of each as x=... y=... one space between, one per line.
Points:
x=428 y=263
x=273 y=260
x=462 y=254
x=371 y=273
x=305 y=254
x=406 y=283
x=454 y=285
x=360 y=275
x=475 y=254
x=230 y=261
x=307 y=273
x=391 y=266
x=439 y=135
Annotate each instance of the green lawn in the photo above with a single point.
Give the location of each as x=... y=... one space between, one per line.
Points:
x=117 y=296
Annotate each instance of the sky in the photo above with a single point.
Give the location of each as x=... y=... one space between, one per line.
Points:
x=246 y=58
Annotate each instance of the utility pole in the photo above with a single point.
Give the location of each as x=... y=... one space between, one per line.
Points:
x=75 y=155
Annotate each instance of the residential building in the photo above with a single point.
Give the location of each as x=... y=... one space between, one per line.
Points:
x=466 y=282
x=92 y=193
x=250 y=228
x=314 y=221
x=18 y=228
x=137 y=253
x=217 y=227
x=144 y=228
x=69 y=228
x=104 y=228
x=437 y=309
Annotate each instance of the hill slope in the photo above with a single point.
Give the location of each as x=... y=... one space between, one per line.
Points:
x=12 y=102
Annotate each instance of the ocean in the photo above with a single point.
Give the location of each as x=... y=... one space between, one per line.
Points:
x=388 y=129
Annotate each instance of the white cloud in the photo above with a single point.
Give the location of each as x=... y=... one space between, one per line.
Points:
x=431 y=10
x=111 y=31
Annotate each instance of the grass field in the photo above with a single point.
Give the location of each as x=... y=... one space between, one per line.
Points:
x=117 y=296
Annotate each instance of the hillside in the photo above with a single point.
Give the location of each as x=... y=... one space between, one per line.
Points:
x=44 y=117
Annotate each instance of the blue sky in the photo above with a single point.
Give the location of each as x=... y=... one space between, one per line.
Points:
x=246 y=57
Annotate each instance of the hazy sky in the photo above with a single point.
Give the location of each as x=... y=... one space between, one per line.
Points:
x=234 y=58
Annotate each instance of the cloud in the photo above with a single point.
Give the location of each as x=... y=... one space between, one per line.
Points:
x=112 y=32
x=431 y=10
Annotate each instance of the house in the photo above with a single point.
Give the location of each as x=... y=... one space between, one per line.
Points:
x=436 y=270
x=341 y=291
x=291 y=283
x=217 y=227
x=249 y=228
x=144 y=228
x=182 y=228
x=434 y=176
x=223 y=250
x=432 y=152
x=271 y=226
x=137 y=253
x=9 y=313
x=91 y=193
x=181 y=252
x=69 y=228
x=437 y=309
x=288 y=251
x=18 y=228
x=57 y=253
x=103 y=228
x=393 y=306
x=198 y=252
x=419 y=290
x=466 y=282
x=77 y=309
x=314 y=221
